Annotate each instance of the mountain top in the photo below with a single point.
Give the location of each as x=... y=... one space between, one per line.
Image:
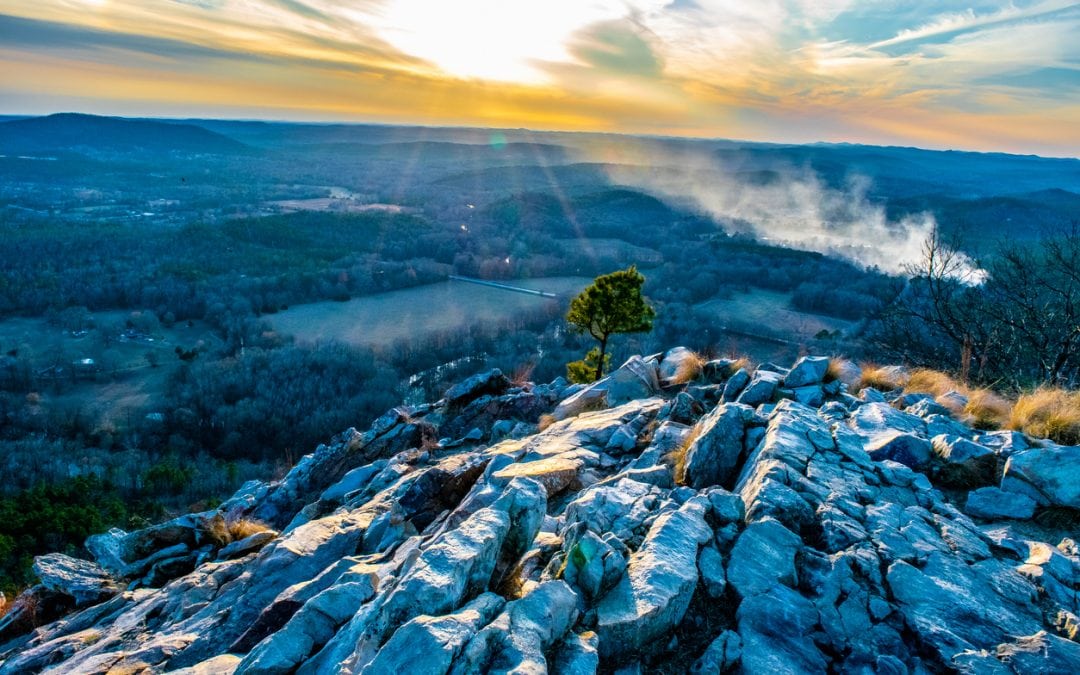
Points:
x=677 y=515
x=79 y=132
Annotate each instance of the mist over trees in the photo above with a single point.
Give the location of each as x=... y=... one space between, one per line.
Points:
x=1011 y=317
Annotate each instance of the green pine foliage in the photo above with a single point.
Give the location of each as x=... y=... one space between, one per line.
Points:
x=612 y=304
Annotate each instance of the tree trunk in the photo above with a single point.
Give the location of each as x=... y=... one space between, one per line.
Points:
x=600 y=361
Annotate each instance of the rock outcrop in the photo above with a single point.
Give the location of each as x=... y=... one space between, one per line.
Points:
x=745 y=521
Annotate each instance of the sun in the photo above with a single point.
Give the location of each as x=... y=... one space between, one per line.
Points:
x=488 y=39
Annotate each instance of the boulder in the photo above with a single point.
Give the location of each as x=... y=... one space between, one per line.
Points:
x=84 y=581
x=761 y=388
x=591 y=565
x=735 y=385
x=762 y=558
x=906 y=448
x=721 y=656
x=713 y=456
x=992 y=503
x=518 y=640
x=1050 y=476
x=654 y=594
x=964 y=462
x=428 y=645
x=633 y=380
x=679 y=363
x=809 y=370
x=493 y=382
x=717 y=371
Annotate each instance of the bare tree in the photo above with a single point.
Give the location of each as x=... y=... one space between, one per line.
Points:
x=1014 y=318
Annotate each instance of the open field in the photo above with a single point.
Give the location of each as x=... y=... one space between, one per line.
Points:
x=770 y=309
x=382 y=319
x=123 y=378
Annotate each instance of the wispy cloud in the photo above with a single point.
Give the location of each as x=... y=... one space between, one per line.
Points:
x=968 y=73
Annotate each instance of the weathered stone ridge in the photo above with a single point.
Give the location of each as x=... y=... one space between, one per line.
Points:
x=762 y=521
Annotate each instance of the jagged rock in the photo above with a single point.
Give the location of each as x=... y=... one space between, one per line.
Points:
x=81 y=580
x=573 y=550
x=736 y=384
x=429 y=644
x=717 y=371
x=761 y=388
x=577 y=654
x=956 y=607
x=493 y=382
x=713 y=456
x=633 y=380
x=711 y=568
x=516 y=641
x=247 y=545
x=722 y=655
x=1050 y=476
x=807 y=371
x=905 y=448
x=763 y=556
x=656 y=590
x=591 y=565
x=992 y=503
x=964 y=462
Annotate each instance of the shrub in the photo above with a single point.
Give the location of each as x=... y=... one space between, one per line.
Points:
x=1048 y=413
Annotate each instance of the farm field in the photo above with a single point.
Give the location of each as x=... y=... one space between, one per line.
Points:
x=382 y=319
x=771 y=310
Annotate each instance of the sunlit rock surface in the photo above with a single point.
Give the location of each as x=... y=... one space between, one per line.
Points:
x=648 y=526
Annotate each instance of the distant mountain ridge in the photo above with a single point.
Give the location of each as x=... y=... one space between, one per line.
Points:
x=76 y=131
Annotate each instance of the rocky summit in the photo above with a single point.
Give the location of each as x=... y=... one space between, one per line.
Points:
x=671 y=517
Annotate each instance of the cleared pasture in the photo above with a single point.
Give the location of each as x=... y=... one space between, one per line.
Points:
x=382 y=319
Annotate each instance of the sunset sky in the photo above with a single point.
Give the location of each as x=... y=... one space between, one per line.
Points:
x=972 y=75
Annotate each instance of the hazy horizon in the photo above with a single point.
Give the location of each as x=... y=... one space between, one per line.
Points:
x=378 y=123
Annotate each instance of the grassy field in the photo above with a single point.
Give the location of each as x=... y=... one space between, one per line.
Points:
x=382 y=319
x=124 y=380
x=761 y=311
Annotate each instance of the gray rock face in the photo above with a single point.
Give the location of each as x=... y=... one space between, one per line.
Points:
x=807 y=371
x=713 y=456
x=803 y=536
x=761 y=388
x=80 y=580
x=655 y=593
x=993 y=503
x=1050 y=476
x=905 y=448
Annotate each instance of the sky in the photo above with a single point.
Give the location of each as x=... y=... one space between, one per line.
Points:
x=993 y=76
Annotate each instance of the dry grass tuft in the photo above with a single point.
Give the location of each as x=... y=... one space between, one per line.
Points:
x=882 y=378
x=689 y=369
x=932 y=382
x=544 y=422
x=986 y=409
x=835 y=370
x=1048 y=413
x=242 y=528
x=677 y=457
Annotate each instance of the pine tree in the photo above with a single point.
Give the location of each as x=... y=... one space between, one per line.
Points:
x=612 y=304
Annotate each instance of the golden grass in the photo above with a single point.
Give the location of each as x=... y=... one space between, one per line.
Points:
x=223 y=531
x=544 y=422
x=1048 y=413
x=242 y=528
x=986 y=409
x=933 y=382
x=835 y=370
x=677 y=457
x=882 y=378
x=689 y=369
